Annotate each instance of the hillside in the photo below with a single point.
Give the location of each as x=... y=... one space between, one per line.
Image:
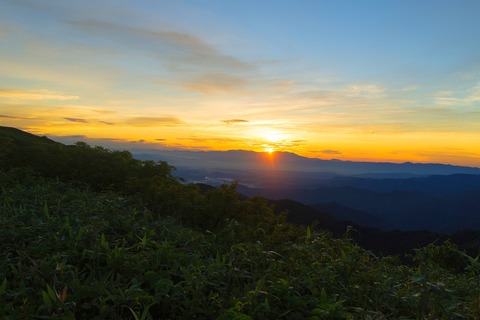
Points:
x=453 y=208
x=22 y=137
x=97 y=234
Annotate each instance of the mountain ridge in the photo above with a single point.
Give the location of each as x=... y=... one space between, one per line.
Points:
x=22 y=137
x=287 y=161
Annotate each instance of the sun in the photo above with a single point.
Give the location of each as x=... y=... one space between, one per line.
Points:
x=270 y=150
x=272 y=135
x=270 y=140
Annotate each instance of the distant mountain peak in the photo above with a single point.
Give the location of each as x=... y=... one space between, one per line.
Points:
x=282 y=161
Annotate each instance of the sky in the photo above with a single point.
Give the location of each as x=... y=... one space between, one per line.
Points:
x=353 y=80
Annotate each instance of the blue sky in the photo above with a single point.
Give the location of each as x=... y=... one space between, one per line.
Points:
x=354 y=80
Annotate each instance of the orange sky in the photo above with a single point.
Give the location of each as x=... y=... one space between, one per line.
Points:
x=300 y=78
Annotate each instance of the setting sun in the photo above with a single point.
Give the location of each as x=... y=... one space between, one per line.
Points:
x=167 y=81
x=270 y=149
x=272 y=135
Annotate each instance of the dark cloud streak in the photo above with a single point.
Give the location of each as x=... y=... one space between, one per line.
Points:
x=79 y=120
x=328 y=151
x=10 y=117
x=232 y=121
x=153 y=121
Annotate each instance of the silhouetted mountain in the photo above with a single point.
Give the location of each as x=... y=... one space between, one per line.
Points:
x=237 y=162
x=438 y=203
x=435 y=185
x=21 y=137
x=402 y=209
x=394 y=242
x=359 y=217
x=302 y=214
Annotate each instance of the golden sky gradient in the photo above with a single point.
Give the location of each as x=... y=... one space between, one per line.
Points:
x=375 y=81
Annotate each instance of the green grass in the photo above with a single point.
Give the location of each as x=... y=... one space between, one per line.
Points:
x=70 y=253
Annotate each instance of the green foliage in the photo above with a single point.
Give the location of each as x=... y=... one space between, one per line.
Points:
x=99 y=168
x=89 y=233
x=77 y=254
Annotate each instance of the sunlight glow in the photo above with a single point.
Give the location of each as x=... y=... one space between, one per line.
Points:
x=199 y=84
x=270 y=149
x=272 y=135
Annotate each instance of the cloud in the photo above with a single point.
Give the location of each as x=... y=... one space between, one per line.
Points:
x=76 y=120
x=231 y=121
x=103 y=111
x=196 y=139
x=10 y=117
x=5 y=30
x=474 y=94
x=409 y=88
x=212 y=83
x=191 y=63
x=35 y=95
x=449 y=98
x=180 y=46
x=119 y=35
x=140 y=145
x=153 y=121
x=75 y=136
x=328 y=151
x=107 y=123
x=367 y=91
x=282 y=86
x=279 y=145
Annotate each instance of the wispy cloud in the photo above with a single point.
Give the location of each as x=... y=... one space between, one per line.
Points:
x=280 y=145
x=452 y=99
x=74 y=136
x=10 y=117
x=211 y=139
x=367 y=90
x=107 y=123
x=35 y=95
x=5 y=29
x=474 y=93
x=76 y=120
x=103 y=111
x=115 y=143
x=192 y=63
x=153 y=121
x=213 y=83
x=330 y=152
x=180 y=46
x=232 y=121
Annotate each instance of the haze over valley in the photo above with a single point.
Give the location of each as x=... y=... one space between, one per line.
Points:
x=406 y=196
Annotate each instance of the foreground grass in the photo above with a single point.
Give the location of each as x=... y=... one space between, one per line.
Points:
x=70 y=253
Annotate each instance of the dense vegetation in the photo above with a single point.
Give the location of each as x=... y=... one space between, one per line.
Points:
x=89 y=233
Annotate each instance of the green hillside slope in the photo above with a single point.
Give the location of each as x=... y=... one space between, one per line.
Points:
x=23 y=137
x=89 y=233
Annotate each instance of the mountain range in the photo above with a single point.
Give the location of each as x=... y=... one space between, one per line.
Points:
x=385 y=196
x=283 y=163
x=406 y=196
